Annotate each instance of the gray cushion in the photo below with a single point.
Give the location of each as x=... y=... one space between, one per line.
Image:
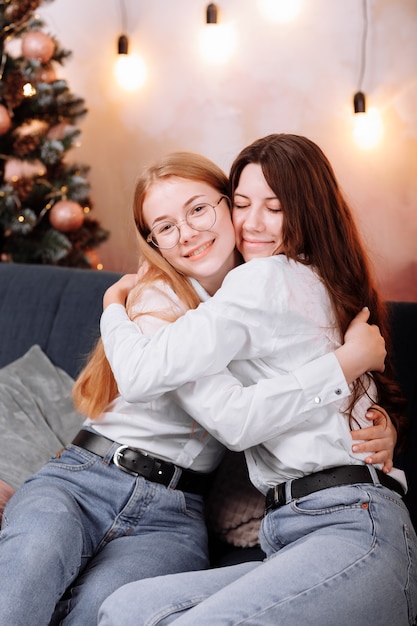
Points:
x=37 y=416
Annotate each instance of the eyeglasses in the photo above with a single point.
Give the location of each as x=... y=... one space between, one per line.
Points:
x=200 y=217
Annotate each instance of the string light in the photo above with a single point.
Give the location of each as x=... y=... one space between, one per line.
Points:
x=130 y=69
x=368 y=127
x=217 y=40
x=29 y=90
x=359 y=97
x=280 y=10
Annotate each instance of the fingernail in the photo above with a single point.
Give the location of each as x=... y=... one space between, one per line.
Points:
x=354 y=448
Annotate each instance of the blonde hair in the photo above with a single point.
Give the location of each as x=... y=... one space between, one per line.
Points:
x=96 y=386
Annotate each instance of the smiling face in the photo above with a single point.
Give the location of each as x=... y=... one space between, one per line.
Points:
x=257 y=215
x=206 y=256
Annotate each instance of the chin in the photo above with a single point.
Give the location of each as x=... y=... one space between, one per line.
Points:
x=248 y=255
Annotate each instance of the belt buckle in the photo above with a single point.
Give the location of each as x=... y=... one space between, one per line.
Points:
x=116 y=461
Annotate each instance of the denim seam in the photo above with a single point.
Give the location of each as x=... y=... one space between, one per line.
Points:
x=168 y=611
x=343 y=572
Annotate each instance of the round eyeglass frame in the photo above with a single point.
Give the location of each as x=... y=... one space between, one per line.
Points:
x=150 y=237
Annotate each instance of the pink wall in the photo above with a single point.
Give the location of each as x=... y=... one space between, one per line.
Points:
x=295 y=77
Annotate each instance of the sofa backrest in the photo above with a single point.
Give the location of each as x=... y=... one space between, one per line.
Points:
x=404 y=342
x=55 y=307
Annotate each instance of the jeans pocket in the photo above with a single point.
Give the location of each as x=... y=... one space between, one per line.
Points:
x=347 y=507
x=192 y=504
x=332 y=500
x=73 y=459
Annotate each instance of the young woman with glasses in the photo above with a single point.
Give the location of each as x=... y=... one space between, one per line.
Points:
x=339 y=541
x=125 y=501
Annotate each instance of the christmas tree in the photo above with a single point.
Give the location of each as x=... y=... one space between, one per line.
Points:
x=44 y=199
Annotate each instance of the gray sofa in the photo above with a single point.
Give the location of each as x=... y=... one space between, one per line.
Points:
x=59 y=309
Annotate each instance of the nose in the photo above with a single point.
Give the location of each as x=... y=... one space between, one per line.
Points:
x=185 y=230
x=252 y=220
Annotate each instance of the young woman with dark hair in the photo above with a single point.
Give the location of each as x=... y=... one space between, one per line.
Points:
x=340 y=545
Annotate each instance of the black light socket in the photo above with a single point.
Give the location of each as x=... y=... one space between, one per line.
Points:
x=359 y=102
x=211 y=15
x=122 y=45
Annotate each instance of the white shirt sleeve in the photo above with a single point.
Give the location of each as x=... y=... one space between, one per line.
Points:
x=242 y=417
x=203 y=342
x=233 y=324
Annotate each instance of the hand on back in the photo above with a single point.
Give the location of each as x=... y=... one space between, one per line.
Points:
x=117 y=293
x=364 y=348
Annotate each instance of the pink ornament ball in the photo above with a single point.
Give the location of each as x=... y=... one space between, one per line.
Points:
x=66 y=215
x=5 y=120
x=37 y=45
x=15 y=169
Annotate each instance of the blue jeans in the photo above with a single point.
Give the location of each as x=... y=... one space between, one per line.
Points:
x=345 y=555
x=80 y=528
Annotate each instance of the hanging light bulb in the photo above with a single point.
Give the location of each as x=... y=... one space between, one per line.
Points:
x=368 y=129
x=130 y=69
x=359 y=97
x=280 y=10
x=217 y=41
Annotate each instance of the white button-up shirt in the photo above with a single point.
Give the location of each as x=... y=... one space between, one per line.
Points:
x=159 y=427
x=272 y=321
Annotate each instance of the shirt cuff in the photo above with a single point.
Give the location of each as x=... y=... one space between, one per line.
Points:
x=323 y=380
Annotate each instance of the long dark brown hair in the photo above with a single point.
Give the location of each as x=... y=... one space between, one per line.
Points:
x=319 y=230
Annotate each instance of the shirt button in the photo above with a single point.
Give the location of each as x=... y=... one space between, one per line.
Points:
x=317 y=400
x=338 y=392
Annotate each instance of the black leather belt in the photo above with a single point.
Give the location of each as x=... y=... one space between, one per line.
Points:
x=332 y=477
x=137 y=463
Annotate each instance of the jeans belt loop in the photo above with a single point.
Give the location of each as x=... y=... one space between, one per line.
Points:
x=374 y=476
x=174 y=480
x=288 y=492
